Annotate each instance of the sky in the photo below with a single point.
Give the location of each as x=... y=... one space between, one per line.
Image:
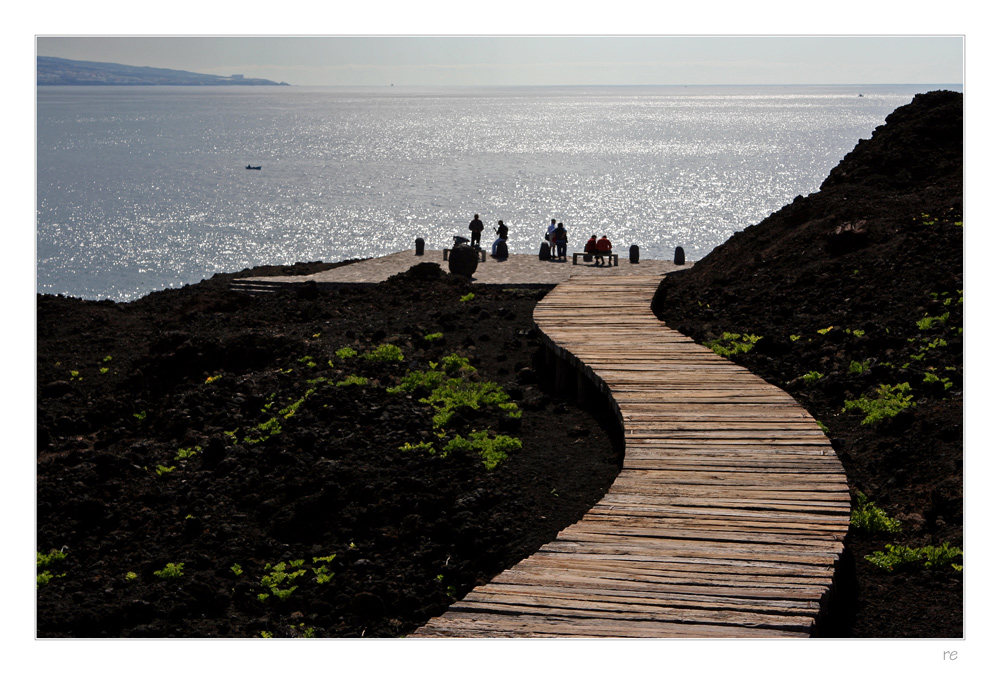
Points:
x=379 y=60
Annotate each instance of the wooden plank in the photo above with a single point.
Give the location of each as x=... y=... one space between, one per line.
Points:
x=726 y=520
x=459 y=623
x=569 y=608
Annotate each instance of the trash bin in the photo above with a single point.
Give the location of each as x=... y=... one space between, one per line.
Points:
x=463 y=260
x=678 y=256
x=420 y=246
x=633 y=253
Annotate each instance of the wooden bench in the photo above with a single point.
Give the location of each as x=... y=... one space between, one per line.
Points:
x=482 y=254
x=612 y=256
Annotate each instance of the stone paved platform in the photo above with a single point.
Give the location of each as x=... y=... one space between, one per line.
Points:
x=518 y=269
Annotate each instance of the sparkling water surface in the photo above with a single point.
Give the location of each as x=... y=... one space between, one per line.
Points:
x=144 y=188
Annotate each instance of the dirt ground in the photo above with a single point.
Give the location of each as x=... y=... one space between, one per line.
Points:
x=157 y=444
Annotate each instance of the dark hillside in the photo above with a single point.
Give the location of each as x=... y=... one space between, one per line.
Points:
x=850 y=289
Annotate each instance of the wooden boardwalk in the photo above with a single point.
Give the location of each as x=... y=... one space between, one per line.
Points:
x=728 y=516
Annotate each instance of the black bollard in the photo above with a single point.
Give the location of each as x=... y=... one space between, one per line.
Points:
x=420 y=246
x=633 y=253
x=544 y=252
x=678 y=256
x=502 y=250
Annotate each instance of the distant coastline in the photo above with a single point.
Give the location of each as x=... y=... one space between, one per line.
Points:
x=52 y=71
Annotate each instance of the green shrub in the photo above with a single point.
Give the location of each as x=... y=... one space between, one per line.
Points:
x=278 y=578
x=187 y=453
x=929 y=322
x=453 y=363
x=811 y=376
x=431 y=337
x=346 y=353
x=869 y=518
x=171 y=571
x=859 y=367
x=423 y=445
x=932 y=378
x=385 y=353
x=731 y=344
x=467 y=298
x=889 y=401
x=456 y=393
x=491 y=450
x=352 y=380
x=43 y=562
x=895 y=558
x=426 y=379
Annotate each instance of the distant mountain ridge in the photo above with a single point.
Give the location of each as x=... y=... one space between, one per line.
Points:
x=56 y=71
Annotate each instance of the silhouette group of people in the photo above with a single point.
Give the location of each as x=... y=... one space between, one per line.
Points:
x=598 y=248
x=556 y=241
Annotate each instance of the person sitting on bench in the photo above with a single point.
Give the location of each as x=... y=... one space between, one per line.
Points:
x=501 y=231
x=602 y=246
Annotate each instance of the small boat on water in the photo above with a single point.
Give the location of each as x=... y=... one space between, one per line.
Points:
x=255 y=168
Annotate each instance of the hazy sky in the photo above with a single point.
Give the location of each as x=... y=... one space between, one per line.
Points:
x=537 y=60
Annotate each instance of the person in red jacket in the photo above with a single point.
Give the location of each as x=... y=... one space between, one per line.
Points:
x=591 y=245
x=602 y=246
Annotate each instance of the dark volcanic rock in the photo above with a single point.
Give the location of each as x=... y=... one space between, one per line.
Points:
x=206 y=428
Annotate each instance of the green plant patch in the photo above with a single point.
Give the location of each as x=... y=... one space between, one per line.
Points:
x=811 y=377
x=43 y=562
x=896 y=557
x=457 y=393
x=492 y=450
x=277 y=580
x=385 y=353
x=732 y=344
x=431 y=337
x=346 y=353
x=870 y=518
x=352 y=380
x=187 y=453
x=263 y=431
x=171 y=571
x=423 y=446
x=888 y=402
x=929 y=322
x=932 y=378
x=467 y=298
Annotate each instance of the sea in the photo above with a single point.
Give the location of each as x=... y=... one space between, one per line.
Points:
x=145 y=188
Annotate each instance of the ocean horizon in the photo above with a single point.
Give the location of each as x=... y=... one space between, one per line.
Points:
x=145 y=188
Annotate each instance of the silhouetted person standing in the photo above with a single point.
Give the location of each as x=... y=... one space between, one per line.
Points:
x=476 y=227
x=560 y=238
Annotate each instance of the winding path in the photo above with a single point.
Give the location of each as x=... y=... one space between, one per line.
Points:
x=728 y=516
